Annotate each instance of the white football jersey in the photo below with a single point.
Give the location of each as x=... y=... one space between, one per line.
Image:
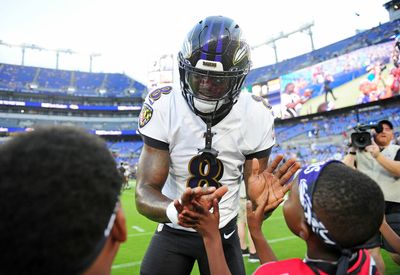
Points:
x=247 y=129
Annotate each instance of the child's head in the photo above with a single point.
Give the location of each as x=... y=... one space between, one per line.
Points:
x=59 y=192
x=342 y=206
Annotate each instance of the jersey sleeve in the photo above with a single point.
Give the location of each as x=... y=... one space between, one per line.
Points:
x=259 y=131
x=153 y=118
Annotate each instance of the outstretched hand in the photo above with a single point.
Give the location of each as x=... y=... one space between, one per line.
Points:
x=270 y=185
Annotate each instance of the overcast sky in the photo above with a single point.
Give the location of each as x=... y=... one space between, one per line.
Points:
x=130 y=34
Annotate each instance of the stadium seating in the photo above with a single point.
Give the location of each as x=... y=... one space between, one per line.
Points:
x=311 y=139
x=51 y=81
x=328 y=136
x=379 y=34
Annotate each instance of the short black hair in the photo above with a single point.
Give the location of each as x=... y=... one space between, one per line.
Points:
x=58 y=189
x=349 y=203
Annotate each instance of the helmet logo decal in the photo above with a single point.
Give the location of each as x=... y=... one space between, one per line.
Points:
x=187 y=49
x=240 y=54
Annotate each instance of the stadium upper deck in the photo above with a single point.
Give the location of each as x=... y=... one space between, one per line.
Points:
x=75 y=83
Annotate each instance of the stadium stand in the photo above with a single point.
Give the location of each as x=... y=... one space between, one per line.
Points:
x=42 y=80
x=109 y=103
x=376 y=35
x=327 y=136
x=104 y=103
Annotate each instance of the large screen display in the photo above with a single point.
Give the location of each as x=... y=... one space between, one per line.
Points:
x=360 y=76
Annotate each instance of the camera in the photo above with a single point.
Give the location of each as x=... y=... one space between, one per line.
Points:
x=361 y=138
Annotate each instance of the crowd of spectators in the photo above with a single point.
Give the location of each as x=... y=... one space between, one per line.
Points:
x=63 y=82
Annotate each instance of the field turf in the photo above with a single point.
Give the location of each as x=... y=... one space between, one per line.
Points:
x=140 y=230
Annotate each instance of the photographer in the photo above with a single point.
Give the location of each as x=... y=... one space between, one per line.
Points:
x=380 y=160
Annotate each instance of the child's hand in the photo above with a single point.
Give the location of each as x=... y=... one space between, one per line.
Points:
x=255 y=217
x=203 y=221
x=208 y=222
x=196 y=199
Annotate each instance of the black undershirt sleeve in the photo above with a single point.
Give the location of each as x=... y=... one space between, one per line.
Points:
x=155 y=143
x=261 y=154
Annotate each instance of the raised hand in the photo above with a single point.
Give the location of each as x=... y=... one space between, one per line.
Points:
x=255 y=218
x=373 y=149
x=269 y=184
x=255 y=215
x=207 y=224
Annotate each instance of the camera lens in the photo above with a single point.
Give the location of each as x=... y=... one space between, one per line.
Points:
x=361 y=139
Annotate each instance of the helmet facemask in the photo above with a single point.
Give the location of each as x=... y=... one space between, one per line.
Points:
x=210 y=94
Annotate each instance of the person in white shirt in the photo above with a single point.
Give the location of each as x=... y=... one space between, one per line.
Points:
x=381 y=161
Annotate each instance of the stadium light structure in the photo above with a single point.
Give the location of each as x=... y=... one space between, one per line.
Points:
x=281 y=35
x=23 y=46
x=307 y=29
x=91 y=56
x=5 y=44
x=58 y=51
x=29 y=46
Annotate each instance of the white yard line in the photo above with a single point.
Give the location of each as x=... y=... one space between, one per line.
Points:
x=125 y=265
x=141 y=234
x=138 y=228
x=282 y=239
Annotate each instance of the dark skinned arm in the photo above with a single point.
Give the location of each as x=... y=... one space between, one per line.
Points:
x=390 y=235
x=255 y=220
x=247 y=171
x=207 y=225
x=151 y=176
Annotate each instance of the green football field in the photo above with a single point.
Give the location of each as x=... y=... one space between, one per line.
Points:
x=140 y=230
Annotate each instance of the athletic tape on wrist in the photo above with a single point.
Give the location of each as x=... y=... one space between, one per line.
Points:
x=172 y=213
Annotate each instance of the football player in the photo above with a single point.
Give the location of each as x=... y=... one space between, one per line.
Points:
x=202 y=139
